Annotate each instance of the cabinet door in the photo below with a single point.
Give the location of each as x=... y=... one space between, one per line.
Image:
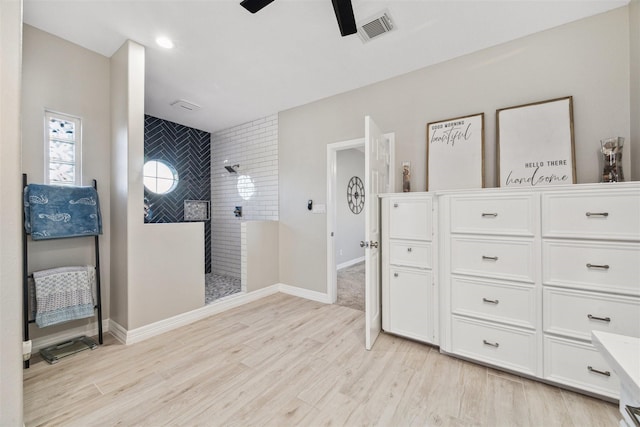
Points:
x=410 y=219
x=409 y=304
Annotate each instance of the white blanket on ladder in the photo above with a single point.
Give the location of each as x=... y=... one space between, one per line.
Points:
x=63 y=294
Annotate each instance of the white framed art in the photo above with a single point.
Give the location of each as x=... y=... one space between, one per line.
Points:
x=535 y=144
x=455 y=153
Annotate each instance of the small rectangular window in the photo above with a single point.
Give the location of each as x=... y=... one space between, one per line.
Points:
x=63 y=141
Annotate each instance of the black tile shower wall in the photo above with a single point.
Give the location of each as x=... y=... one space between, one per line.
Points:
x=188 y=150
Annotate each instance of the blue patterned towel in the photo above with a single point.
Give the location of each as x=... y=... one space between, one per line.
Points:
x=55 y=211
x=63 y=294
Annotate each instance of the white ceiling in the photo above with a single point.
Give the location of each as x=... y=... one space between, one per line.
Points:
x=239 y=67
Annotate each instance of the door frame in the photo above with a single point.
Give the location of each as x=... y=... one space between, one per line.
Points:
x=332 y=151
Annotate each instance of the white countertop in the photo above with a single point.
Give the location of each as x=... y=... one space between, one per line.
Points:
x=623 y=353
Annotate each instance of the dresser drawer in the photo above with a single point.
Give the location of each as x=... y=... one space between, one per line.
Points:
x=579 y=365
x=506 y=303
x=510 y=259
x=410 y=218
x=512 y=215
x=597 y=214
x=577 y=313
x=504 y=346
x=410 y=254
x=613 y=267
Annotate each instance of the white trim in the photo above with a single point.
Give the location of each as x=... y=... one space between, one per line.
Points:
x=89 y=330
x=118 y=331
x=350 y=263
x=77 y=163
x=304 y=293
x=332 y=149
x=148 y=331
x=166 y=325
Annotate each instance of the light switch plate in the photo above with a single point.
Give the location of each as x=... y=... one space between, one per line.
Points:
x=319 y=209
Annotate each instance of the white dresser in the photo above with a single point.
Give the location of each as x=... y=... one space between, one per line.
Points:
x=409 y=297
x=591 y=281
x=490 y=253
x=526 y=275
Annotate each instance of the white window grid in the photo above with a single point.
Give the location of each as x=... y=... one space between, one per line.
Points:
x=63 y=149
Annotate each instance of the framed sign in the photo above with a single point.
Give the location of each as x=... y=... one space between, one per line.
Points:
x=455 y=150
x=535 y=145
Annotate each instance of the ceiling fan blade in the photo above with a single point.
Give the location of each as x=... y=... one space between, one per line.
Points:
x=254 y=5
x=344 y=15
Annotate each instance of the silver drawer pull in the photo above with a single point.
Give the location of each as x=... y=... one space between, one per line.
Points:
x=604 y=214
x=492 y=344
x=490 y=258
x=602 y=319
x=634 y=414
x=490 y=301
x=489 y=215
x=596 y=371
x=409 y=249
x=395 y=205
x=395 y=274
x=603 y=267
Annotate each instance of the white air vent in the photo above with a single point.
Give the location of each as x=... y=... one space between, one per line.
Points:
x=183 y=105
x=375 y=26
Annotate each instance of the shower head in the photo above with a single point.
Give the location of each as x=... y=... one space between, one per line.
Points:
x=232 y=169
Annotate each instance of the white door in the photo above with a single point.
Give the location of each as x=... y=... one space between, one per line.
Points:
x=376 y=181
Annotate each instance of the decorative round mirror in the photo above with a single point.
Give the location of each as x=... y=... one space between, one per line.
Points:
x=355 y=195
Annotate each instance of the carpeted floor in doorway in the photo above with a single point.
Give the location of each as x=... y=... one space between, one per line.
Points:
x=351 y=286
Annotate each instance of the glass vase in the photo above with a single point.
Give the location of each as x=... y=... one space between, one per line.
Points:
x=611 y=159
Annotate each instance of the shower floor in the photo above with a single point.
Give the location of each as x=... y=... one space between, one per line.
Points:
x=218 y=286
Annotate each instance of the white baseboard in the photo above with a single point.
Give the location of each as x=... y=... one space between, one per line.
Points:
x=350 y=263
x=89 y=330
x=145 y=332
x=117 y=331
x=148 y=331
x=304 y=293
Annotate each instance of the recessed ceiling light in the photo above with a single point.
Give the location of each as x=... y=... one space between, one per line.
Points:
x=165 y=42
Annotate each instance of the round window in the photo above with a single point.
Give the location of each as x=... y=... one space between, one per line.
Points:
x=159 y=177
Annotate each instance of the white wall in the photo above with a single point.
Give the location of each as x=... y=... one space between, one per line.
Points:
x=349 y=226
x=588 y=59
x=119 y=293
x=254 y=146
x=259 y=254
x=164 y=281
x=634 y=49
x=158 y=269
x=10 y=216
x=64 y=77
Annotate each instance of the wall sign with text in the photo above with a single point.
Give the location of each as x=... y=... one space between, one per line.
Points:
x=536 y=145
x=455 y=153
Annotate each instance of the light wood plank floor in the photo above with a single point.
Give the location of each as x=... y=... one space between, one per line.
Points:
x=287 y=361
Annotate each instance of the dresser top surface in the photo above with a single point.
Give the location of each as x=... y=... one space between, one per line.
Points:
x=629 y=185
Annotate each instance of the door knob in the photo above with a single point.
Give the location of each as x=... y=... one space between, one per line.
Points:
x=364 y=244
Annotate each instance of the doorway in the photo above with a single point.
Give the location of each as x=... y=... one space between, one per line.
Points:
x=350 y=227
x=350 y=261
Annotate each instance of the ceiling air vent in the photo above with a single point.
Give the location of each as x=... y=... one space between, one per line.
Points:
x=375 y=26
x=183 y=105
